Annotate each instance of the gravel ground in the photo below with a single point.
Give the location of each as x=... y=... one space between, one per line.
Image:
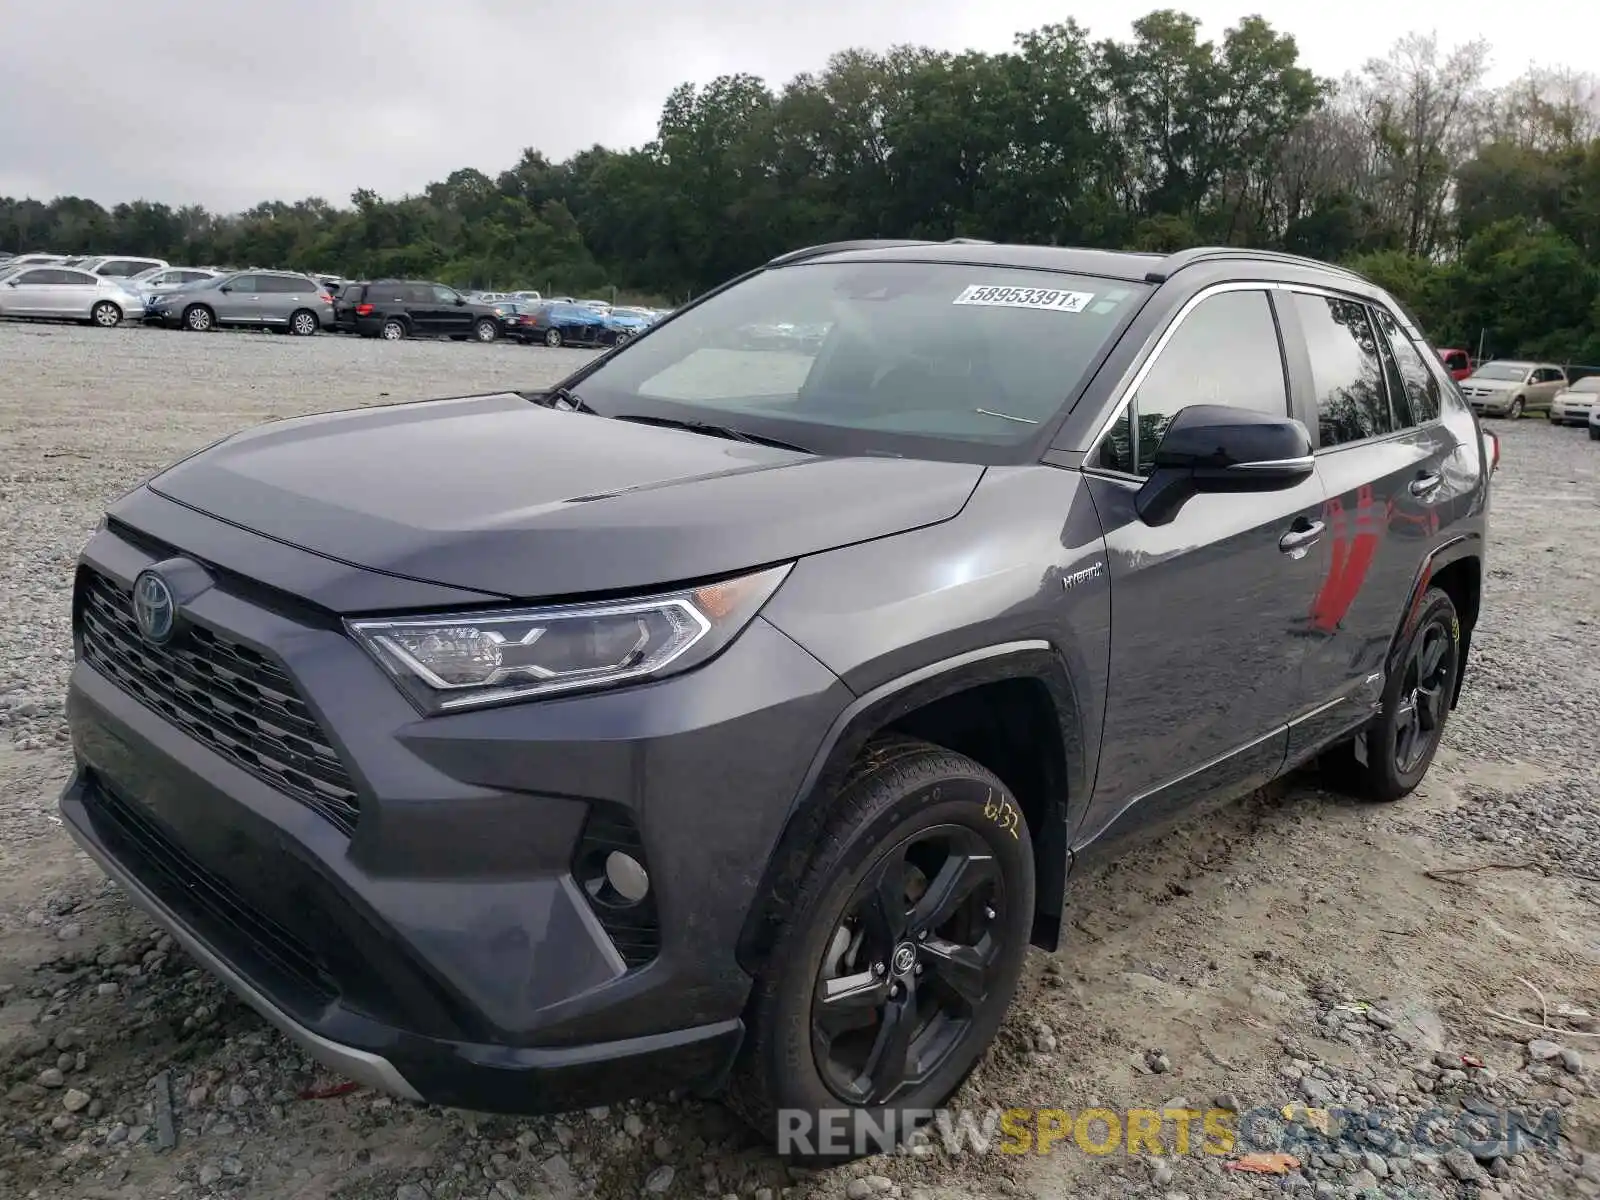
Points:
x=1296 y=950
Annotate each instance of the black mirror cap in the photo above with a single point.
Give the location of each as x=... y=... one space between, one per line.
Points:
x=1219 y=448
x=1213 y=437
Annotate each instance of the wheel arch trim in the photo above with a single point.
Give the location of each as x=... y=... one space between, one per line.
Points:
x=1457 y=549
x=875 y=710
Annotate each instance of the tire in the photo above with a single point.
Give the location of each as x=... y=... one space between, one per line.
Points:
x=1515 y=411
x=486 y=331
x=106 y=315
x=1594 y=433
x=552 y=338
x=303 y=322
x=1395 y=766
x=394 y=330
x=921 y=810
x=199 y=319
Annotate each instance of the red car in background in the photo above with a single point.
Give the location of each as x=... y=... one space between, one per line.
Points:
x=1457 y=362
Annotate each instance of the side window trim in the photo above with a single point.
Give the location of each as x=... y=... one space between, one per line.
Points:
x=1129 y=388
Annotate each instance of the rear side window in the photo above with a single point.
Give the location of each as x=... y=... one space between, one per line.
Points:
x=123 y=267
x=1226 y=351
x=1421 y=385
x=1346 y=370
x=286 y=285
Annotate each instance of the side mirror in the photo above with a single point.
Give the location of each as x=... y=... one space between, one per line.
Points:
x=224 y=288
x=461 y=301
x=1218 y=448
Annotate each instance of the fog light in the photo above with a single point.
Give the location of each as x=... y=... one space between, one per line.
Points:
x=627 y=876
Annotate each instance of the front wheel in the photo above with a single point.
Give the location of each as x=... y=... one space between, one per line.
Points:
x=898 y=960
x=486 y=330
x=1515 y=412
x=1402 y=740
x=1594 y=433
x=106 y=315
x=198 y=318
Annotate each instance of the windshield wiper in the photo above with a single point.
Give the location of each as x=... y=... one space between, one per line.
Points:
x=711 y=429
x=562 y=400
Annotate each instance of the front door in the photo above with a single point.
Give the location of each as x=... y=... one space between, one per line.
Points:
x=1382 y=457
x=453 y=317
x=237 y=302
x=1209 y=611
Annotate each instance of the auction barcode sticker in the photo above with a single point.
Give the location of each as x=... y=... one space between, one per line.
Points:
x=1021 y=297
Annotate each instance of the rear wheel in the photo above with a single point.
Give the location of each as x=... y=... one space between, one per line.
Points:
x=552 y=337
x=900 y=955
x=303 y=322
x=106 y=315
x=393 y=330
x=199 y=318
x=1401 y=741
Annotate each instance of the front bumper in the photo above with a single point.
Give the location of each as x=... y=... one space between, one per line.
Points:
x=444 y=949
x=1576 y=413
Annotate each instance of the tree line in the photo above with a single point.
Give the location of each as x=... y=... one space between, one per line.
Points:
x=1479 y=207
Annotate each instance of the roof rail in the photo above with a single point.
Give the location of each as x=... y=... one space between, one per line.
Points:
x=1194 y=255
x=968 y=242
x=801 y=255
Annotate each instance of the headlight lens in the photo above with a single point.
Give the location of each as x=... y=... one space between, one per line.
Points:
x=470 y=660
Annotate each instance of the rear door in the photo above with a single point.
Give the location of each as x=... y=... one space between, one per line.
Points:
x=1208 y=610
x=1383 y=455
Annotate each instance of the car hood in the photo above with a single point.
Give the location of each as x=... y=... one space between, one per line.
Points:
x=499 y=495
x=1491 y=385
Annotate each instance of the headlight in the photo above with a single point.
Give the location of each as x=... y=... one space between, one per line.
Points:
x=447 y=663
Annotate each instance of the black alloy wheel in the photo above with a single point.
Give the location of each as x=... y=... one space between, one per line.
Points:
x=909 y=966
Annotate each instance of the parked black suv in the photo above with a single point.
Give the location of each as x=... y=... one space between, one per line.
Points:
x=733 y=718
x=400 y=308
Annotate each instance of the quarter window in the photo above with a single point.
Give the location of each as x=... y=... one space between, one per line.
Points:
x=1226 y=351
x=1346 y=371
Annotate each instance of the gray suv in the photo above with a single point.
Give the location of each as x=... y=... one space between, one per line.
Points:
x=733 y=717
x=276 y=300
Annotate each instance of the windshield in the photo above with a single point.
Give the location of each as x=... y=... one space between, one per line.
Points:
x=1504 y=371
x=887 y=357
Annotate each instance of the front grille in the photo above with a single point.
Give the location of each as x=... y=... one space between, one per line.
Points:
x=206 y=901
x=226 y=696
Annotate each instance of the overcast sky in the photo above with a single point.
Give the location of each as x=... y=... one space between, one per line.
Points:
x=228 y=102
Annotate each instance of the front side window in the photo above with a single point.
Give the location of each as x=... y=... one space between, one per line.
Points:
x=243 y=283
x=1421 y=386
x=443 y=295
x=1346 y=371
x=938 y=359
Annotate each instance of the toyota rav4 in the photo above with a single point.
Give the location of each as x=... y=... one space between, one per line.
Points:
x=732 y=715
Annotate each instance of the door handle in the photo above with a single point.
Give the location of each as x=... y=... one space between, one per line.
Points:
x=1425 y=483
x=1299 y=539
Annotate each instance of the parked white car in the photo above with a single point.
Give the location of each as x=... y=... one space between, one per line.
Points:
x=1594 y=423
x=1573 y=405
x=67 y=294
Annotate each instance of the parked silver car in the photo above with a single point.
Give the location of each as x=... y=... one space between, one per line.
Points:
x=67 y=294
x=279 y=300
x=1507 y=388
x=1573 y=406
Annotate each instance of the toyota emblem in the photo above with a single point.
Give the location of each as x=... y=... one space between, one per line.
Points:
x=905 y=957
x=154 y=610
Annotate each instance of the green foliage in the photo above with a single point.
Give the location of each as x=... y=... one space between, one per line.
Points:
x=1480 y=210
